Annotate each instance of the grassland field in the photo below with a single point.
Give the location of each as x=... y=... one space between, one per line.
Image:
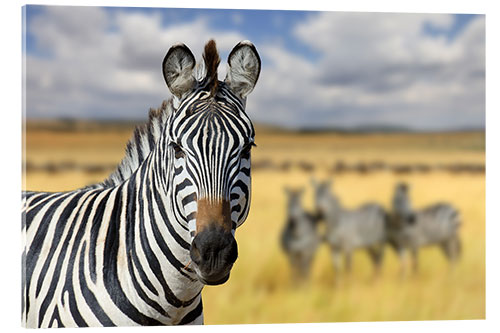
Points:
x=260 y=289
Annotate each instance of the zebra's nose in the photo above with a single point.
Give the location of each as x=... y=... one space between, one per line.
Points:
x=214 y=251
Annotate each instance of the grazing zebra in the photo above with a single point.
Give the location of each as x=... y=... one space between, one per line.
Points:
x=408 y=229
x=348 y=230
x=138 y=248
x=299 y=238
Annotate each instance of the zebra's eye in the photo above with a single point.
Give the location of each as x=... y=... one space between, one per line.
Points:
x=247 y=148
x=178 y=152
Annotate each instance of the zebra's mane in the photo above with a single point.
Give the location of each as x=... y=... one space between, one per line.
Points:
x=142 y=142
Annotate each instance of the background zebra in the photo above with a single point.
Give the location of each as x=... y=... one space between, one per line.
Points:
x=410 y=229
x=299 y=238
x=137 y=248
x=348 y=230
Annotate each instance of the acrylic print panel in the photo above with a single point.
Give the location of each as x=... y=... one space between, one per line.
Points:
x=367 y=179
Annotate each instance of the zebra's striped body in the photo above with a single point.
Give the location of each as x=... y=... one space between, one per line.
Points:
x=349 y=230
x=411 y=229
x=299 y=238
x=138 y=248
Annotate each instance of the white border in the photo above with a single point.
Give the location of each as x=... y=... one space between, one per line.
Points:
x=10 y=88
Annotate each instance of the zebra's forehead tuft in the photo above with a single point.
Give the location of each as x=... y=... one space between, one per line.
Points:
x=212 y=60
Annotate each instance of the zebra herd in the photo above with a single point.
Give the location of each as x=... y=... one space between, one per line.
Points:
x=369 y=227
x=138 y=248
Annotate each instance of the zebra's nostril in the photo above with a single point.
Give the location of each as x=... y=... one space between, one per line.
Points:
x=195 y=252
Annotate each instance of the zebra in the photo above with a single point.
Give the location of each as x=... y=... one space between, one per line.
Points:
x=137 y=248
x=348 y=230
x=410 y=229
x=299 y=237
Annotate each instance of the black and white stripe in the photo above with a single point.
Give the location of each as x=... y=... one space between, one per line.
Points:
x=299 y=238
x=350 y=229
x=118 y=253
x=410 y=229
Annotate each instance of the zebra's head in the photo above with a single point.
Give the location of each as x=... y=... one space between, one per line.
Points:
x=209 y=139
x=324 y=200
x=294 y=200
x=401 y=206
x=401 y=201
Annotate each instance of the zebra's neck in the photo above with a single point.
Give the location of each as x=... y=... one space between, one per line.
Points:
x=297 y=212
x=335 y=209
x=157 y=242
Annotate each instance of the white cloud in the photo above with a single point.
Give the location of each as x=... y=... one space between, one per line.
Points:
x=370 y=68
x=106 y=65
x=378 y=68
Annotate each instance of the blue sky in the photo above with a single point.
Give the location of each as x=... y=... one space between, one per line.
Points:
x=423 y=71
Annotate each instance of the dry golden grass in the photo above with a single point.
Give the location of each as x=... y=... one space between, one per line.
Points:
x=260 y=290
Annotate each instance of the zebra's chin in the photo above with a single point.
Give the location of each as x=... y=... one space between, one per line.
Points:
x=212 y=279
x=214 y=282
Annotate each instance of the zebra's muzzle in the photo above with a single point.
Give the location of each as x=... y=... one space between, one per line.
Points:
x=213 y=252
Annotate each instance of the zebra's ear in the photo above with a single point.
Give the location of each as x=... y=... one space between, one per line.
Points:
x=178 y=66
x=244 y=68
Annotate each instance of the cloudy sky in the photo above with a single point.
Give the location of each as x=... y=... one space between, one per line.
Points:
x=319 y=69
